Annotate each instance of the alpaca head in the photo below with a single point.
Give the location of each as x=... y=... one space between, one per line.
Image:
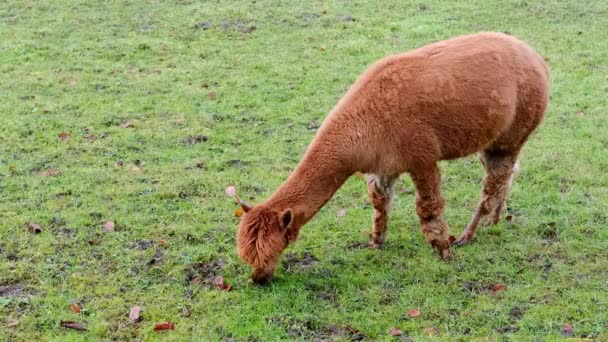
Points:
x=262 y=236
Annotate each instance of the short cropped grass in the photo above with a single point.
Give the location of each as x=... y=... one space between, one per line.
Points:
x=168 y=102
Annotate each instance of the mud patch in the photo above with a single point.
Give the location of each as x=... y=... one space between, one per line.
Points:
x=312 y=330
x=237 y=163
x=157 y=258
x=195 y=139
x=143 y=244
x=238 y=25
x=307 y=17
x=313 y=125
x=294 y=263
x=475 y=288
x=516 y=313
x=507 y=329
x=322 y=292
x=357 y=245
x=548 y=231
x=204 y=273
x=346 y=18
x=12 y=291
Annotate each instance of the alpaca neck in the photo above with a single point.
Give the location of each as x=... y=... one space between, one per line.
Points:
x=314 y=181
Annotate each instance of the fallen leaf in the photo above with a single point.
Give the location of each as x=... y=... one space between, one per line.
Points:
x=196 y=280
x=126 y=124
x=231 y=191
x=136 y=169
x=75 y=308
x=451 y=238
x=12 y=323
x=219 y=283
x=499 y=287
x=64 y=135
x=212 y=96
x=134 y=314
x=432 y=331
x=73 y=83
x=164 y=243
x=108 y=227
x=160 y=326
x=413 y=312
x=567 y=330
x=73 y=325
x=580 y=114
x=34 y=227
x=358 y=174
x=49 y=173
x=509 y=218
x=91 y=137
x=238 y=212
x=205 y=85
x=341 y=212
x=395 y=332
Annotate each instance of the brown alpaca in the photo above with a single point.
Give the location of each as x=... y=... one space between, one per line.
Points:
x=478 y=93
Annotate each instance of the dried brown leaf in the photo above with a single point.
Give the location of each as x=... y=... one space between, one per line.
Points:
x=451 y=238
x=413 y=312
x=73 y=325
x=108 y=227
x=34 y=227
x=164 y=243
x=212 y=96
x=499 y=287
x=567 y=330
x=126 y=124
x=64 y=135
x=12 y=323
x=160 y=326
x=134 y=314
x=73 y=83
x=580 y=114
x=509 y=218
x=49 y=173
x=341 y=212
x=395 y=332
x=75 y=308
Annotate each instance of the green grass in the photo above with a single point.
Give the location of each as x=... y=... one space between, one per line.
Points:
x=76 y=65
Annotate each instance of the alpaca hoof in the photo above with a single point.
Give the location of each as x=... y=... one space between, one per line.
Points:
x=375 y=245
x=443 y=248
x=462 y=240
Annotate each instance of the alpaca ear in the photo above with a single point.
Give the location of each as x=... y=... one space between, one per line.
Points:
x=285 y=219
x=244 y=205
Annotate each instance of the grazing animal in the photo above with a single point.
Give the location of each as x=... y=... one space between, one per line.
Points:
x=481 y=93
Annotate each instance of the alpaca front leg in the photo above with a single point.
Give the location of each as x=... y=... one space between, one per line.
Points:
x=429 y=206
x=380 y=191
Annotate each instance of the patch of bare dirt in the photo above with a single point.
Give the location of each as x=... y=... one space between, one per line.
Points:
x=298 y=263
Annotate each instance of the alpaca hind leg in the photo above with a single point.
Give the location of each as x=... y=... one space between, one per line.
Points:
x=429 y=206
x=501 y=168
x=380 y=191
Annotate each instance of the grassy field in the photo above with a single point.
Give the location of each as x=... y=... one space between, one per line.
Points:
x=142 y=113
